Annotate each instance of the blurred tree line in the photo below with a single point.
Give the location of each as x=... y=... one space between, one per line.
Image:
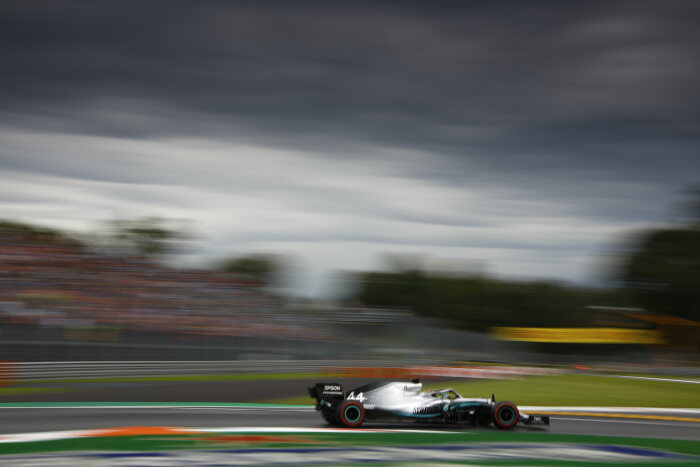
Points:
x=660 y=273
x=268 y=269
x=35 y=233
x=478 y=303
x=148 y=237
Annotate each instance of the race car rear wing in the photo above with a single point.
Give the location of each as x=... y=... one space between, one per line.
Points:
x=326 y=391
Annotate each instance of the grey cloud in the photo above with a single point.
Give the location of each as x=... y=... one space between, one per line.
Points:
x=559 y=110
x=376 y=71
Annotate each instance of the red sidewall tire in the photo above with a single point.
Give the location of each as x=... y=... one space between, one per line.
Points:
x=505 y=415
x=351 y=414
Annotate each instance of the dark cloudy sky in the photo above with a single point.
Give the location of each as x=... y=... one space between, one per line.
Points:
x=527 y=135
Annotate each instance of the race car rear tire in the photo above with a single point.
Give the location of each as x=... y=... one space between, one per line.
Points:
x=350 y=414
x=505 y=415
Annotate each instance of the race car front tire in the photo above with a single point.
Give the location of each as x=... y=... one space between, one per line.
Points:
x=505 y=415
x=350 y=414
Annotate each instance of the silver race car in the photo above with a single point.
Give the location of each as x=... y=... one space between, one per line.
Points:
x=407 y=401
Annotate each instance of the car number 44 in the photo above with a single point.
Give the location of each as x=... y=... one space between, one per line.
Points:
x=360 y=397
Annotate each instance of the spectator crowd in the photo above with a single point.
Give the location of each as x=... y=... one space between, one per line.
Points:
x=47 y=281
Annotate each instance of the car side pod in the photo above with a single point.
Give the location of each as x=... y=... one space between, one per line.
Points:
x=505 y=415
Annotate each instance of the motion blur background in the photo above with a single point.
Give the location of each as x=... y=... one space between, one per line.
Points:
x=438 y=182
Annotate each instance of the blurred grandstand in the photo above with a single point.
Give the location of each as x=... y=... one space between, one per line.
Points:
x=55 y=289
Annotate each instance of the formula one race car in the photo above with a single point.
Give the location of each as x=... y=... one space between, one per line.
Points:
x=406 y=401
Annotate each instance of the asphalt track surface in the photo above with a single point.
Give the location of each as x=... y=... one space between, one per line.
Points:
x=40 y=419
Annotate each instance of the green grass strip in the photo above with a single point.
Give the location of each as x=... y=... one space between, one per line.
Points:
x=14 y=391
x=567 y=390
x=584 y=390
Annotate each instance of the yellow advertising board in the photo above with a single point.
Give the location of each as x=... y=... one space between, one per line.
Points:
x=579 y=335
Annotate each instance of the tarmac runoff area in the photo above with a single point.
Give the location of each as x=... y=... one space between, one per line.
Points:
x=72 y=434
